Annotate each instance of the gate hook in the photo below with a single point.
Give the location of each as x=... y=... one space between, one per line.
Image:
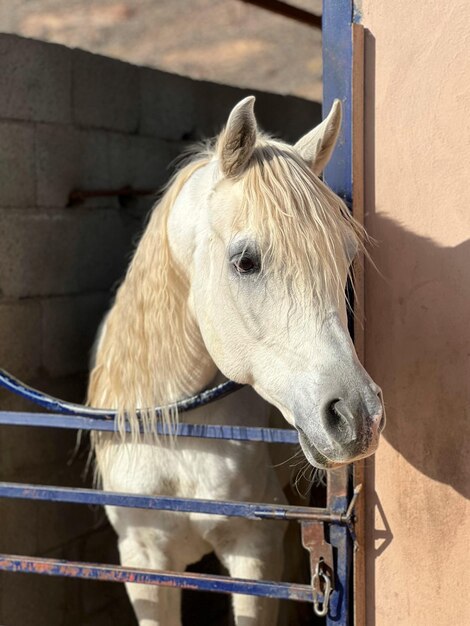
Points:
x=321 y=576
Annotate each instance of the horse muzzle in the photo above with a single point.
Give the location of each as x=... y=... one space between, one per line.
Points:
x=346 y=430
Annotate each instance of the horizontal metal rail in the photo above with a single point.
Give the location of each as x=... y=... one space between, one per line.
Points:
x=228 y=508
x=203 y=431
x=13 y=384
x=118 y=574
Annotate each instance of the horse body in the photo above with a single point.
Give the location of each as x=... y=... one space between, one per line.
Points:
x=196 y=468
x=235 y=276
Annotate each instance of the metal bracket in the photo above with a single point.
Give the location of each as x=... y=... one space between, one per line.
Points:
x=321 y=555
x=321 y=563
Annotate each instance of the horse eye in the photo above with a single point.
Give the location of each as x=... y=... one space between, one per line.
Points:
x=245 y=264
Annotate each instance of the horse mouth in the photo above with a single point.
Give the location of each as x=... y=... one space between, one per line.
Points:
x=318 y=459
x=313 y=454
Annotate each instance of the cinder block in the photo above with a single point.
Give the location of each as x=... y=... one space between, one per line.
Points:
x=169 y=105
x=214 y=105
x=94 y=171
x=57 y=163
x=59 y=252
x=177 y=108
x=69 y=159
x=286 y=117
x=105 y=92
x=20 y=337
x=35 y=80
x=17 y=171
x=153 y=161
x=69 y=330
x=142 y=162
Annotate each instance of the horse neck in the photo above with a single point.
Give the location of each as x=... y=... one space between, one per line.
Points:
x=151 y=351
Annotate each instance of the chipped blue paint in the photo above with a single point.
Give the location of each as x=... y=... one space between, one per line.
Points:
x=357 y=12
x=204 y=431
x=340 y=601
x=337 y=83
x=118 y=574
x=229 y=508
x=338 y=16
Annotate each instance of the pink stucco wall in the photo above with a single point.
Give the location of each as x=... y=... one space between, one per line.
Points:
x=418 y=310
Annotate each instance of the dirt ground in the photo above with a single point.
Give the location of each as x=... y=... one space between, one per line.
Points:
x=225 y=41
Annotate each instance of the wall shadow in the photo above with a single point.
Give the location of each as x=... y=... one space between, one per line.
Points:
x=421 y=297
x=423 y=365
x=417 y=346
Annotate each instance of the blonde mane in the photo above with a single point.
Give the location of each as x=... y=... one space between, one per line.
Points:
x=151 y=348
x=148 y=331
x=304 y=229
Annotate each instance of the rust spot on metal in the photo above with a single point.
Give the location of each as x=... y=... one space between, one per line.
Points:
x=313 y=540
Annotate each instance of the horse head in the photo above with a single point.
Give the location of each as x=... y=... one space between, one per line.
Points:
x=267 y=247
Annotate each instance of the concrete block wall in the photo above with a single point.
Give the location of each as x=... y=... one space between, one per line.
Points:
x=73 y=120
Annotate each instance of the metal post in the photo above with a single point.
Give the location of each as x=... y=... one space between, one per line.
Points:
x=338 y=67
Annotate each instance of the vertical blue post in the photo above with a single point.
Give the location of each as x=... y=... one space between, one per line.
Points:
x=337 y=83
x=340 y=608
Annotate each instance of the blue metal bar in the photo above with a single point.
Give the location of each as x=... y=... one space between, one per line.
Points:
x=340 y=601
x=337 y=47
x=229 y=508
x=115 y=573
x=337 y=83
x=204 y=431
x=8 y=381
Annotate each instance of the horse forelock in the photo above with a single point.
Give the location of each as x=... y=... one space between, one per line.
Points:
x=303 y=228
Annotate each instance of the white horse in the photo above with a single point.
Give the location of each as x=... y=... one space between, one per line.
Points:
x=239 y=274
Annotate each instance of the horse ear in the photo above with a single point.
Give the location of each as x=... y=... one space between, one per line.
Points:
x=238 y=140
x=317 y=146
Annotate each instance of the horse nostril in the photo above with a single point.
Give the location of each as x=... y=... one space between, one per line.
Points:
x=338 y=416
x=331 y=412
x=383 y=419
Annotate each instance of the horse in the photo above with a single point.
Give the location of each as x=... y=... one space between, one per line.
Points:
x=240 y=274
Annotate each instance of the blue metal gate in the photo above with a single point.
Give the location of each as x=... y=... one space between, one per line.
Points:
x=331 y=552
x=330 y=561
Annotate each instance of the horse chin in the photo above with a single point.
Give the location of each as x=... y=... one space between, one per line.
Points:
x=314 y=456
x=318 y=459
